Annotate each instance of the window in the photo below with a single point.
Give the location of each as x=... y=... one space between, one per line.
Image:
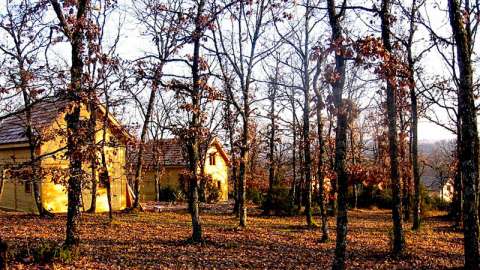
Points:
x=219 y=185
x=28 y=187
x=211 y=159
x=113 y=142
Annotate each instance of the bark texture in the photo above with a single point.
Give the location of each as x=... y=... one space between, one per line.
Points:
x=414 y=123
x=141 y=147
x=76 y=36
x=340 y=139
x=195 y=125
x=398 y=238
x=3 y=255
x=469 y=144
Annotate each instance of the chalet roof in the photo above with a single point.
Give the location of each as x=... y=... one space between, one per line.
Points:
x=12 y=128
x=168 y=152
x=43 y=114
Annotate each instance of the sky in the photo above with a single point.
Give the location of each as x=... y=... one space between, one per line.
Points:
x=428 y=131
x=132 y=45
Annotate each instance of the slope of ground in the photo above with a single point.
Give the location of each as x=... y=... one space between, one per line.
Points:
x=157 y=240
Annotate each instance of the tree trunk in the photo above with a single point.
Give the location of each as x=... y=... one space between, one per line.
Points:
x=415 y=167
x=234 y=180
x=29 y=132
x=109 y=197
x=405 y=179
x=105 y=175
x=306 y=122
x=2 y=181
x=271 y=145
x=469 y=145
x=73 y=127
x=242 y=171
x=195 y=125
x=75 y=168
x=457 y=201
x=333 y=181
x=340 y=140
x=92 y=126
x=398 y=240
x=36 y=182
x=301 y=182
x=143 y=137
x=406 y=185
x=106 y=181
x=414 y=128
x=202 y=192
x=354 y=193
x=320 y=169
x=157 y=183
x=3 y=255
x=76 y=37
x=293 y=190
x=233 y=175
x=321 y=153
x=352 y=150
x=245 y=82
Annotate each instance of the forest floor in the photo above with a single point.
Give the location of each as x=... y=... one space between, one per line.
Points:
x=158 y=240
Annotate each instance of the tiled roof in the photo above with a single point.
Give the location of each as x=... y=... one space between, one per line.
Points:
x=44 y=113
x=12 y=128
x=167 y=151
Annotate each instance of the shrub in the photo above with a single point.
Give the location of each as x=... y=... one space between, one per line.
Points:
x=180 y=196
x=371 y=196
x=254 y=195
x=213 y=193
x=281 y=203
x=46 y=253
x=169 y=194
x=66 y=255
x=383 y=199
x=433 y=202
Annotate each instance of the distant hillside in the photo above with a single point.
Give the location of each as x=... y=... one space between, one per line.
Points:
x=428 y=147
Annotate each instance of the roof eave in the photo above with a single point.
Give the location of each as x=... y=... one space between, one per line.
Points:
x=9 y=145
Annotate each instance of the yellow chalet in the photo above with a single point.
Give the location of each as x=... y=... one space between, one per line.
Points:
x=166 y=159
x=48 y=121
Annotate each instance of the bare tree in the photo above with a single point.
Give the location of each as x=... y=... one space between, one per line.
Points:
x=73 y=26
x=414 y=114
x=341 y=131
x=26 y=32
x=301 y=38
x=164 y=24
x=460 y=22
x=320 y=104
x=250 y=20
x=101 y=69
x=398 y=238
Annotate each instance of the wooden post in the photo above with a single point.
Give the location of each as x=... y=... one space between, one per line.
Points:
x=3 y=255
